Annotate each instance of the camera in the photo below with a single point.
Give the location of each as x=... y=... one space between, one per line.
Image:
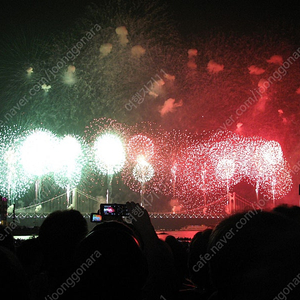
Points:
x=112 y=211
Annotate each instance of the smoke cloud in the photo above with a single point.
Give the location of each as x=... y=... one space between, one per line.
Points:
x=192 y=53
x=122 y=33
x=105 y=49
x=275 y=59
x=254 y=70
x=214 y=68
x=169 y=106
x=169 y=77
x=69 y=76
x=138 y=51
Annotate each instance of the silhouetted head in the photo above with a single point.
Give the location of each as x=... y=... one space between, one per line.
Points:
x=30 y=255
x=6 y=238
x=255 y=256
x=180 y=256
x=113 y=263
x=59 y=235
x=198 y=247
x=12 y=276
x=292 y=212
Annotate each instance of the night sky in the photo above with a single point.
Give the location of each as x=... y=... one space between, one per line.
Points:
x=26 y=25
x=235 y=34
x=192 y=16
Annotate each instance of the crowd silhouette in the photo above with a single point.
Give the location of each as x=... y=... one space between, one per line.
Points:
x=249 y=255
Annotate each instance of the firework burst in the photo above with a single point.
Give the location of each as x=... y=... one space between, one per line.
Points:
x=14 y=181
x=37 y=155
x=143 y=171
x=147 y=143
x=269 y=170
x=140 y=145
x=109 y=154
x=106 y=136
x=70 y=160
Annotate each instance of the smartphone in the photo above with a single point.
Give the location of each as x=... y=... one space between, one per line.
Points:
x=117 y=210
x=96 y=217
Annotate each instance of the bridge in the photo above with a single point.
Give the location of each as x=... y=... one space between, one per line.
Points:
x=87 y=204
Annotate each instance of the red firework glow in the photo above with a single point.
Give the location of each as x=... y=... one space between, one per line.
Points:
x=146 y=144
x=140 y=150
x=198 y=171
x=208 y=170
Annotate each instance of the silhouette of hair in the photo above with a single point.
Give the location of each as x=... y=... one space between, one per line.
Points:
x=59 y=235
x=8 y=240
x=198 y=246
x=119 y=267
x=259 y=260
x=180 y=257
x=292 y=212
x=12 y=276
x=30 y=255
